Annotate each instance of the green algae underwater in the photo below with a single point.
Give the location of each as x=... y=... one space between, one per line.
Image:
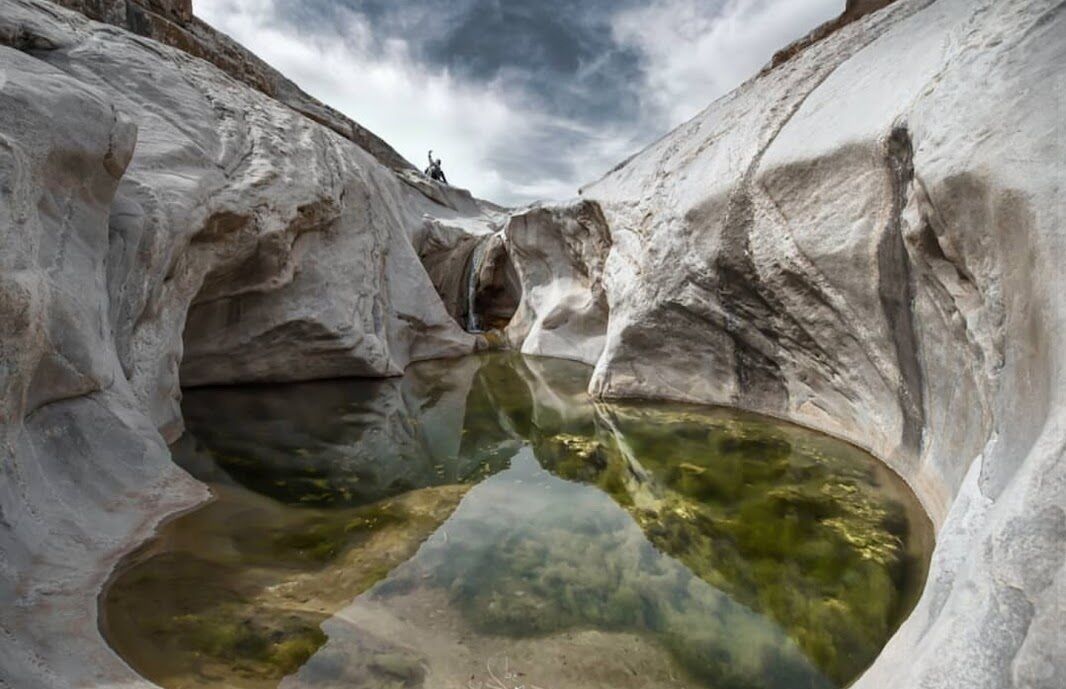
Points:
x=483 y=524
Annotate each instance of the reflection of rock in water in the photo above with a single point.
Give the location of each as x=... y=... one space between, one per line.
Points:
x=799 y=527
x=323 y=443
x=712 y=548
x=235 y=594
x=530 y=555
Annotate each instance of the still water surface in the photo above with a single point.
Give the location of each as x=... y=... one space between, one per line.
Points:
x=483 y=524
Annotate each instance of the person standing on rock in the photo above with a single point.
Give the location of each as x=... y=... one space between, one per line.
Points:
x=435 y=171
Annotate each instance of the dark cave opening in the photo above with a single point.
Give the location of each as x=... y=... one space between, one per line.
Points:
x=494 y=287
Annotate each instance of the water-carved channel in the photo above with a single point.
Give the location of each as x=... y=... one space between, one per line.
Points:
x=483 y=524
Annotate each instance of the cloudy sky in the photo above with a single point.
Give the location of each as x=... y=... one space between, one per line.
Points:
x=522 y=99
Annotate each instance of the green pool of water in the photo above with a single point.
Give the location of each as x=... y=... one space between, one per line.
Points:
x=483 y=524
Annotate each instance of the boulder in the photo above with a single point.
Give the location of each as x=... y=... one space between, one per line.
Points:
x=559 y=253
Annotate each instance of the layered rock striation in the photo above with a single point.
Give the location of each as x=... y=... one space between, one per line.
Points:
x=172 y=23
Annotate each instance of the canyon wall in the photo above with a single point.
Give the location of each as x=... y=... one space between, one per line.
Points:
x=160 y=221
x=868 y=240
x=865 y=239
x=172 y=23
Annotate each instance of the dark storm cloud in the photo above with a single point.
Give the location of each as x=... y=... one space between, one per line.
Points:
x=524 y=99
x=554 y=55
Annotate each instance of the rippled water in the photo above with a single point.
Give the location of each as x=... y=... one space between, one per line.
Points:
x=483 y=524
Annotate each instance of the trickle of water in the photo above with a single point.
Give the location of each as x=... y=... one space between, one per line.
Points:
x=481 y=523
x=477 y=258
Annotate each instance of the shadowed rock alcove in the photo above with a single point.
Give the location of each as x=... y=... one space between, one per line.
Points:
x=474 y=274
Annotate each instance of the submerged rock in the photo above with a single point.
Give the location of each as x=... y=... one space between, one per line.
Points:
x=235 y=594
x=867 y=240
x=719 y=549
x=162 y=222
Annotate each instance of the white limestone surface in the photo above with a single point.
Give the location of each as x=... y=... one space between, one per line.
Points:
x=869 y=240
x=162 y=223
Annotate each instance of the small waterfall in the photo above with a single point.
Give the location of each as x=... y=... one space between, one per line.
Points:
x=477 y=258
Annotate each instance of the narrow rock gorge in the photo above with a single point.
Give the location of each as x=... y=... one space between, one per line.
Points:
x=865 y=239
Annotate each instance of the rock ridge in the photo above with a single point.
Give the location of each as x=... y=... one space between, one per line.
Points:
x=172 y=23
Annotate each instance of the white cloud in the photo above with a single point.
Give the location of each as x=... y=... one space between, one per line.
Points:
x=385 y=91
x=487 y=134
x=697 y=52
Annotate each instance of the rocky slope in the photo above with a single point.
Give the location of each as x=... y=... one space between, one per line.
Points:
x=868 y=240
x=172 y=23
x=865 y=239
x=155 y=211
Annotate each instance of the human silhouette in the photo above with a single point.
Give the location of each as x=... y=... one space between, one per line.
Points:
x=434 y=171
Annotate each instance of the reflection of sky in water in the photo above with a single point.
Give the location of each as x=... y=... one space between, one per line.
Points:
x=528 y=553
x=486 y=510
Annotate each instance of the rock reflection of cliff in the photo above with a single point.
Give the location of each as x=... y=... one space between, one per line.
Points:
x=333 y=444
x=764 y=552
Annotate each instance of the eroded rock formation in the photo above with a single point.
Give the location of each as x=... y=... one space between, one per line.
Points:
x=559 y=254
x=865 y=239
x=172 y=23
x=155 y=213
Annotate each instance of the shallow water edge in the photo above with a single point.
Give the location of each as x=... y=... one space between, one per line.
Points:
x=677 y=479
